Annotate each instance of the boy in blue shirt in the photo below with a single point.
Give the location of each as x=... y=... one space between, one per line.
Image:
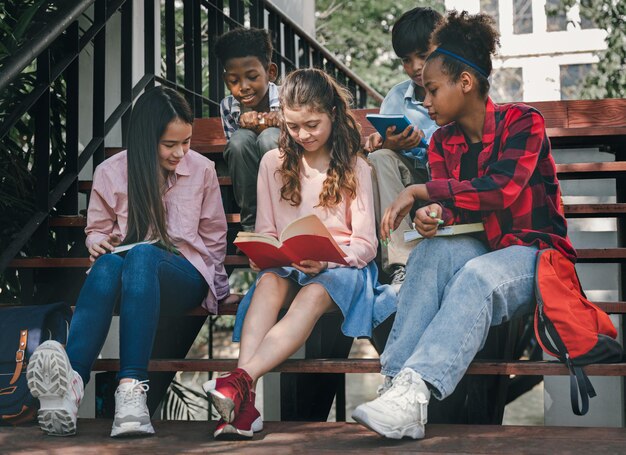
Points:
x=250 y=113
x=398 y=161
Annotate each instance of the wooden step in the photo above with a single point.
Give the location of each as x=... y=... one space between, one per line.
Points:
x=52 y=263
x=599 y=170
x=489 y=367
x=84 y=186
x=593 y=255
x=571 y=211
x=605 y=169
x=195 y=436
x=80 y=221
x=599 y=255
x=594 y=210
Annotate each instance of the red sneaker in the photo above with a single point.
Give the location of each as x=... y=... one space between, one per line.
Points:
x=247 y=422
x=229 y=392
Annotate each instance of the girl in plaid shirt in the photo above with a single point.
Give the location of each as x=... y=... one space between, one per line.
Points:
x=492 y=164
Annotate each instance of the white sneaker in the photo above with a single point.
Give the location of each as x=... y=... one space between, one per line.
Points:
x=131 y=411
x=400 y=411
x=59 y=389
x=386 y=385
x=397 y=277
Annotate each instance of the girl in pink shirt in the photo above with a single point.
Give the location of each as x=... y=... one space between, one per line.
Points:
x=316 y=169
x=159 y=191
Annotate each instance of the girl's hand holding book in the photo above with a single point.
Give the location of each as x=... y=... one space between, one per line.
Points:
x=103 y=247
x=253 y=266
x=311 y=268
x=428 y=219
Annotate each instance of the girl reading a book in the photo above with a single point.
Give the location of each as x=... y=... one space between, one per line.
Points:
x=490 y=163
x=317 y=170
x=157 y=190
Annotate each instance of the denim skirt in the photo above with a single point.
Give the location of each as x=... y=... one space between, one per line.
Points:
x=363 y=301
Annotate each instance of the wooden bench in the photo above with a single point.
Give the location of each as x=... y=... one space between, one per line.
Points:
x=570 y=124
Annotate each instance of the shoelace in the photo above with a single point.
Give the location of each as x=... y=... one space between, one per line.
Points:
x=398 y=275
x=403 y=396
x=237 y=382
x=386 y=385
x=136 y=395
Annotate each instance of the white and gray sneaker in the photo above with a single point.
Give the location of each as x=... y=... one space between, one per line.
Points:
x=397 y=277
x=400 y=411
x=59 y=389
x=131 y=411
x=386 y=385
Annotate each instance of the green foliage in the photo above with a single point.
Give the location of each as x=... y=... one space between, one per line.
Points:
x=359 y=33
x=19 y=20
x=607 y=78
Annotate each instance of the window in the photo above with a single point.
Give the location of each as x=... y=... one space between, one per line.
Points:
x=572 y=80
x=491 y=7
x=506 y=85
x=559 y=20
x=522 y=16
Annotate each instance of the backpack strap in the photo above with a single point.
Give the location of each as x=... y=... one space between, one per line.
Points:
x=580 y=385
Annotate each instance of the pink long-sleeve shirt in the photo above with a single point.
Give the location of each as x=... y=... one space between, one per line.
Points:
x=195 y=216
x=351 y=223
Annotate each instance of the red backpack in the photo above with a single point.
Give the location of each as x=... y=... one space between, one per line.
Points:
x=570 y=327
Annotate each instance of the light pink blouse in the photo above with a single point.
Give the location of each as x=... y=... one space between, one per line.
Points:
x=195 y=216
x=351 y=223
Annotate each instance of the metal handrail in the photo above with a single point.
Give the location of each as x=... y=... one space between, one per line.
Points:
x=328 y=55
x=31 y=49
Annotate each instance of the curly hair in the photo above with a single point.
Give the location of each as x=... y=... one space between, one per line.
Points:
x=473 y=37
x=315 y=90
x=244 y=42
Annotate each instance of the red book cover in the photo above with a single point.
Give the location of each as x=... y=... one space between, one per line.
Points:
x=304 y=238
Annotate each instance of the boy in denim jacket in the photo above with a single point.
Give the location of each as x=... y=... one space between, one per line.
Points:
x=398 y=161
x=249 y=114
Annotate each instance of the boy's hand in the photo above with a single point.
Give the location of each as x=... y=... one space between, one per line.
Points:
x=105 y=246
x=311 y=268
x=373 y=143
x=407 y=139
x=249 y=120
x=270 y=119
x=428 y=219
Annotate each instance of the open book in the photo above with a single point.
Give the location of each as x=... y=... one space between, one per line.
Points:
x=455 y=229
x=122 y=248
x=304 y=238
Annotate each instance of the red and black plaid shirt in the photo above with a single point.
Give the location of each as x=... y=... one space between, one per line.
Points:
x=516 y=193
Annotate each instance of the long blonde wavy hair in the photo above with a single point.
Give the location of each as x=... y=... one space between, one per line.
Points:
x=315 y=90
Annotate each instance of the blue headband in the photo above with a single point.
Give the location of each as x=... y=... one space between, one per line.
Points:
x=464 y=60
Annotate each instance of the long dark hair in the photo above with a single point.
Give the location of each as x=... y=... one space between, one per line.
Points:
x=153 y=111
x=316 y=90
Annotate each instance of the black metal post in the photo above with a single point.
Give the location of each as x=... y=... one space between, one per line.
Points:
x=170 y=40
x=149 y=44
x=41 y=114
x=126 y=69
x=99 y=80
x=216 y=85
x=68 y=205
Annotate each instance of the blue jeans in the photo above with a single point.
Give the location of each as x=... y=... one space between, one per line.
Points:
x=454 y=290
x=145 y=281
x=243 y=154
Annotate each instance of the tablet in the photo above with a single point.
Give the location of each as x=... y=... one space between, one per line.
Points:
x=383 y=121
